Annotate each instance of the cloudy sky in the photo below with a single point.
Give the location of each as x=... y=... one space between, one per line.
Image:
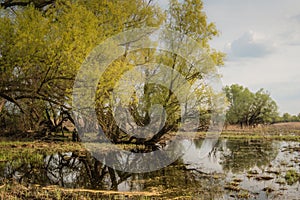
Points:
x=262 y=42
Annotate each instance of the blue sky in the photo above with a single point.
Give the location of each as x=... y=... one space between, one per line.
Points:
x=262 y=42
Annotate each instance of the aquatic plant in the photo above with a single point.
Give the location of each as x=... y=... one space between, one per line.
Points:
x=292 y=176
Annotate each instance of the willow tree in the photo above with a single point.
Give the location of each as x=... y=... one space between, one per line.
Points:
x=42 y=45
x=185 y=19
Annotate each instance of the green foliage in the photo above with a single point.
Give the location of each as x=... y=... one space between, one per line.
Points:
x=189 y=18
x=41 y=51
x=247 y=108
x=43 y=44
x=292 y=176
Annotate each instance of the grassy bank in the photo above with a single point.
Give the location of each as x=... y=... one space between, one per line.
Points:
x=12 y=148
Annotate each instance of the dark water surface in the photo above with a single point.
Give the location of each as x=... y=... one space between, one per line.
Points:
x=211 y=169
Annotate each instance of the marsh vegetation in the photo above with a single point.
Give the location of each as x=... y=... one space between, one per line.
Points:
x=232 y=168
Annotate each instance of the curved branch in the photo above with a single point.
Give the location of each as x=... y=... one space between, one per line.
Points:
x=12 y=100
x=10 y=3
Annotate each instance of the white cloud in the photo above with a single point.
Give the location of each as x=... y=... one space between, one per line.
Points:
x=250 y=45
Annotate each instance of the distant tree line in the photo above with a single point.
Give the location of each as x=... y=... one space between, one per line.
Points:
x=248 y=108
x=286 y=117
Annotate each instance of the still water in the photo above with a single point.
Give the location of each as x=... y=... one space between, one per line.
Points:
x=211 y=169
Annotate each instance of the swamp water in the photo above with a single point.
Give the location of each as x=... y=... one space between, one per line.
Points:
x=211 y=169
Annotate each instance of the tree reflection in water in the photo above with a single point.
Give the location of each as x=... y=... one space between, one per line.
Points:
x=241 y=155
x=62 y=169
x=72 y=170
x=189 y=175
x=225 y=155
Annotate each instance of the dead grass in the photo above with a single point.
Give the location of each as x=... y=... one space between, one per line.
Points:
x=273 y=129
x=287 y=125
x=104 y=192
x=18 y=191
